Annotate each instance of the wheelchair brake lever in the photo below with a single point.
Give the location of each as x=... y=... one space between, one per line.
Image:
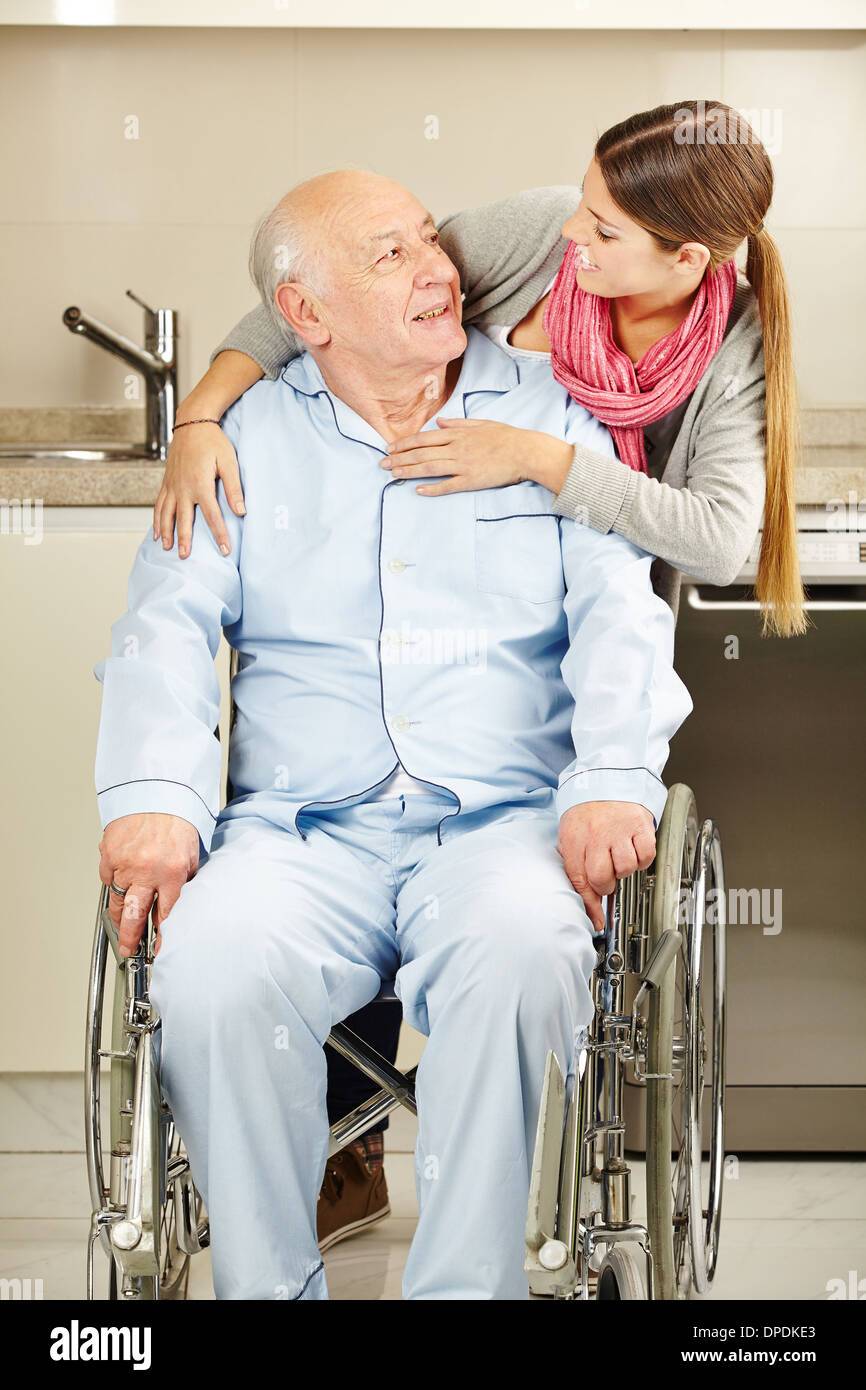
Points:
x=656 y=968
x=652 y=977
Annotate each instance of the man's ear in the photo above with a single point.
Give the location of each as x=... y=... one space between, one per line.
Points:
x=302 y=311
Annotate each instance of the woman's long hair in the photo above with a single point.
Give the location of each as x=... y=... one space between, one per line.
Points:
x=695 y=171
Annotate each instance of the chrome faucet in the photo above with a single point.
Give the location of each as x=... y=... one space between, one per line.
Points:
x=157 y=362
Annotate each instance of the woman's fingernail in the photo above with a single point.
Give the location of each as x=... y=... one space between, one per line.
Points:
x=224 y=550
x=242 y=511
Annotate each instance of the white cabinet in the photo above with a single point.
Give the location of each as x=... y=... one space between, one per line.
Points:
x=60 y=598
x=448 y=14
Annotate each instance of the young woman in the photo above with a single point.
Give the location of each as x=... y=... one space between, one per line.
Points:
x=629 y=287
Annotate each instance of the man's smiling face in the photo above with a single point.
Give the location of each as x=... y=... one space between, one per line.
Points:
x=392 y=296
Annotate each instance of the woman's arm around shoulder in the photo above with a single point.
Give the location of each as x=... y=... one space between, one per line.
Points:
x=706 y=528
x=506 y=251
x=258 y=334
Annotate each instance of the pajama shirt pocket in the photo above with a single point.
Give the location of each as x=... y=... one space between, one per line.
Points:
x=517 y=544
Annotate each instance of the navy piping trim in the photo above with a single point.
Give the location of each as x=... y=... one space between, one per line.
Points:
x=486 y=391
x=511 y=516
x=295 y=387
x=341 y=800
x=584 y=770
x=323 y=391
x=381 y=682
x=319 y=1266
x=354 y=438
x=136 y=781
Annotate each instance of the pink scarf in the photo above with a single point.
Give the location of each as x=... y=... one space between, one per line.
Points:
x=627 y=395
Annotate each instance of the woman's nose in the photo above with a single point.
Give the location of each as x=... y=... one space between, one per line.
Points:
x=572 y=229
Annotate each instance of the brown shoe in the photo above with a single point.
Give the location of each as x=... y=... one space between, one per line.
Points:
x=353 y=1197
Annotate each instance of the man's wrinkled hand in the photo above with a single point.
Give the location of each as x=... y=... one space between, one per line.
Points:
x=600 y=842
x=152 y=856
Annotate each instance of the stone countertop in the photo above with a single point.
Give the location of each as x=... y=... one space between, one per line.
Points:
x=833 y=464
x=831 y=473
x=81 y=482
x=826 y=474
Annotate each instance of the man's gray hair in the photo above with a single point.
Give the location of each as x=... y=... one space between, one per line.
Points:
x=279 y=253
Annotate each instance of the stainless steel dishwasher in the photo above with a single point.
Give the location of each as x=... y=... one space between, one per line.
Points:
x=775 y=751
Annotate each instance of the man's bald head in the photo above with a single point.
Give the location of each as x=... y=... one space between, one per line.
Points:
x=351 y=262
x=294 y=241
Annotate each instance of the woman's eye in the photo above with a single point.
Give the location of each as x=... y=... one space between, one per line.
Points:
x=601 y=236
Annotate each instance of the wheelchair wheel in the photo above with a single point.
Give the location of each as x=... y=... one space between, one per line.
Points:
x=622 y=1275
x=147 y=1160
x=686 y=1048
x=174 y=1262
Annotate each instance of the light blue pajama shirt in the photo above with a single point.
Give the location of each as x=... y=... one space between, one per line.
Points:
x=493 y=648
x=516 y=664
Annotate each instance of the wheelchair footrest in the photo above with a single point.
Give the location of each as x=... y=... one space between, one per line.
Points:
x=549 y=1263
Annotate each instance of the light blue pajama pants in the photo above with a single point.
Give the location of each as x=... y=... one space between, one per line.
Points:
x=276 y=939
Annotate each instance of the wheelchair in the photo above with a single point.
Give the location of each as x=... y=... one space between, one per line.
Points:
x=659 y=1023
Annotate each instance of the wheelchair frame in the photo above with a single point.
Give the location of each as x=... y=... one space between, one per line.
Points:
x=580 y=1239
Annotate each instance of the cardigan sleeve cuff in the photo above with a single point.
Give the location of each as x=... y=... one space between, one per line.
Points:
x=594 y=490
x=259 y=337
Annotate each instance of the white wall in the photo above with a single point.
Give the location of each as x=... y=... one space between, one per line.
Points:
x=226 y=121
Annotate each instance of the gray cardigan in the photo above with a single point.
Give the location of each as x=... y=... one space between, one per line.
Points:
x=700 y=508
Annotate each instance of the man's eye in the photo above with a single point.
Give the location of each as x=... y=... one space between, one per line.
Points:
x=393 y=252
x=435 y=237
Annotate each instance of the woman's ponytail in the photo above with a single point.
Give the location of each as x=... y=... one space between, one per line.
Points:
x=778 y=586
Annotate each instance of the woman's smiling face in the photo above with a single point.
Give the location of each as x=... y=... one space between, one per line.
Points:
x=618 y=257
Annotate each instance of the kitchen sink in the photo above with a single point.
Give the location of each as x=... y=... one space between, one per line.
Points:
x=17 y=453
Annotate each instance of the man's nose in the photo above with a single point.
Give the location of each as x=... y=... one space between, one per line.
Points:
x=433 y=264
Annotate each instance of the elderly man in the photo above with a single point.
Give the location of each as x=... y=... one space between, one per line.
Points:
x=452 y=717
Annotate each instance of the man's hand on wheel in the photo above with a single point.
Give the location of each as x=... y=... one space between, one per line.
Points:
x=150 y=855
x=600 y=842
